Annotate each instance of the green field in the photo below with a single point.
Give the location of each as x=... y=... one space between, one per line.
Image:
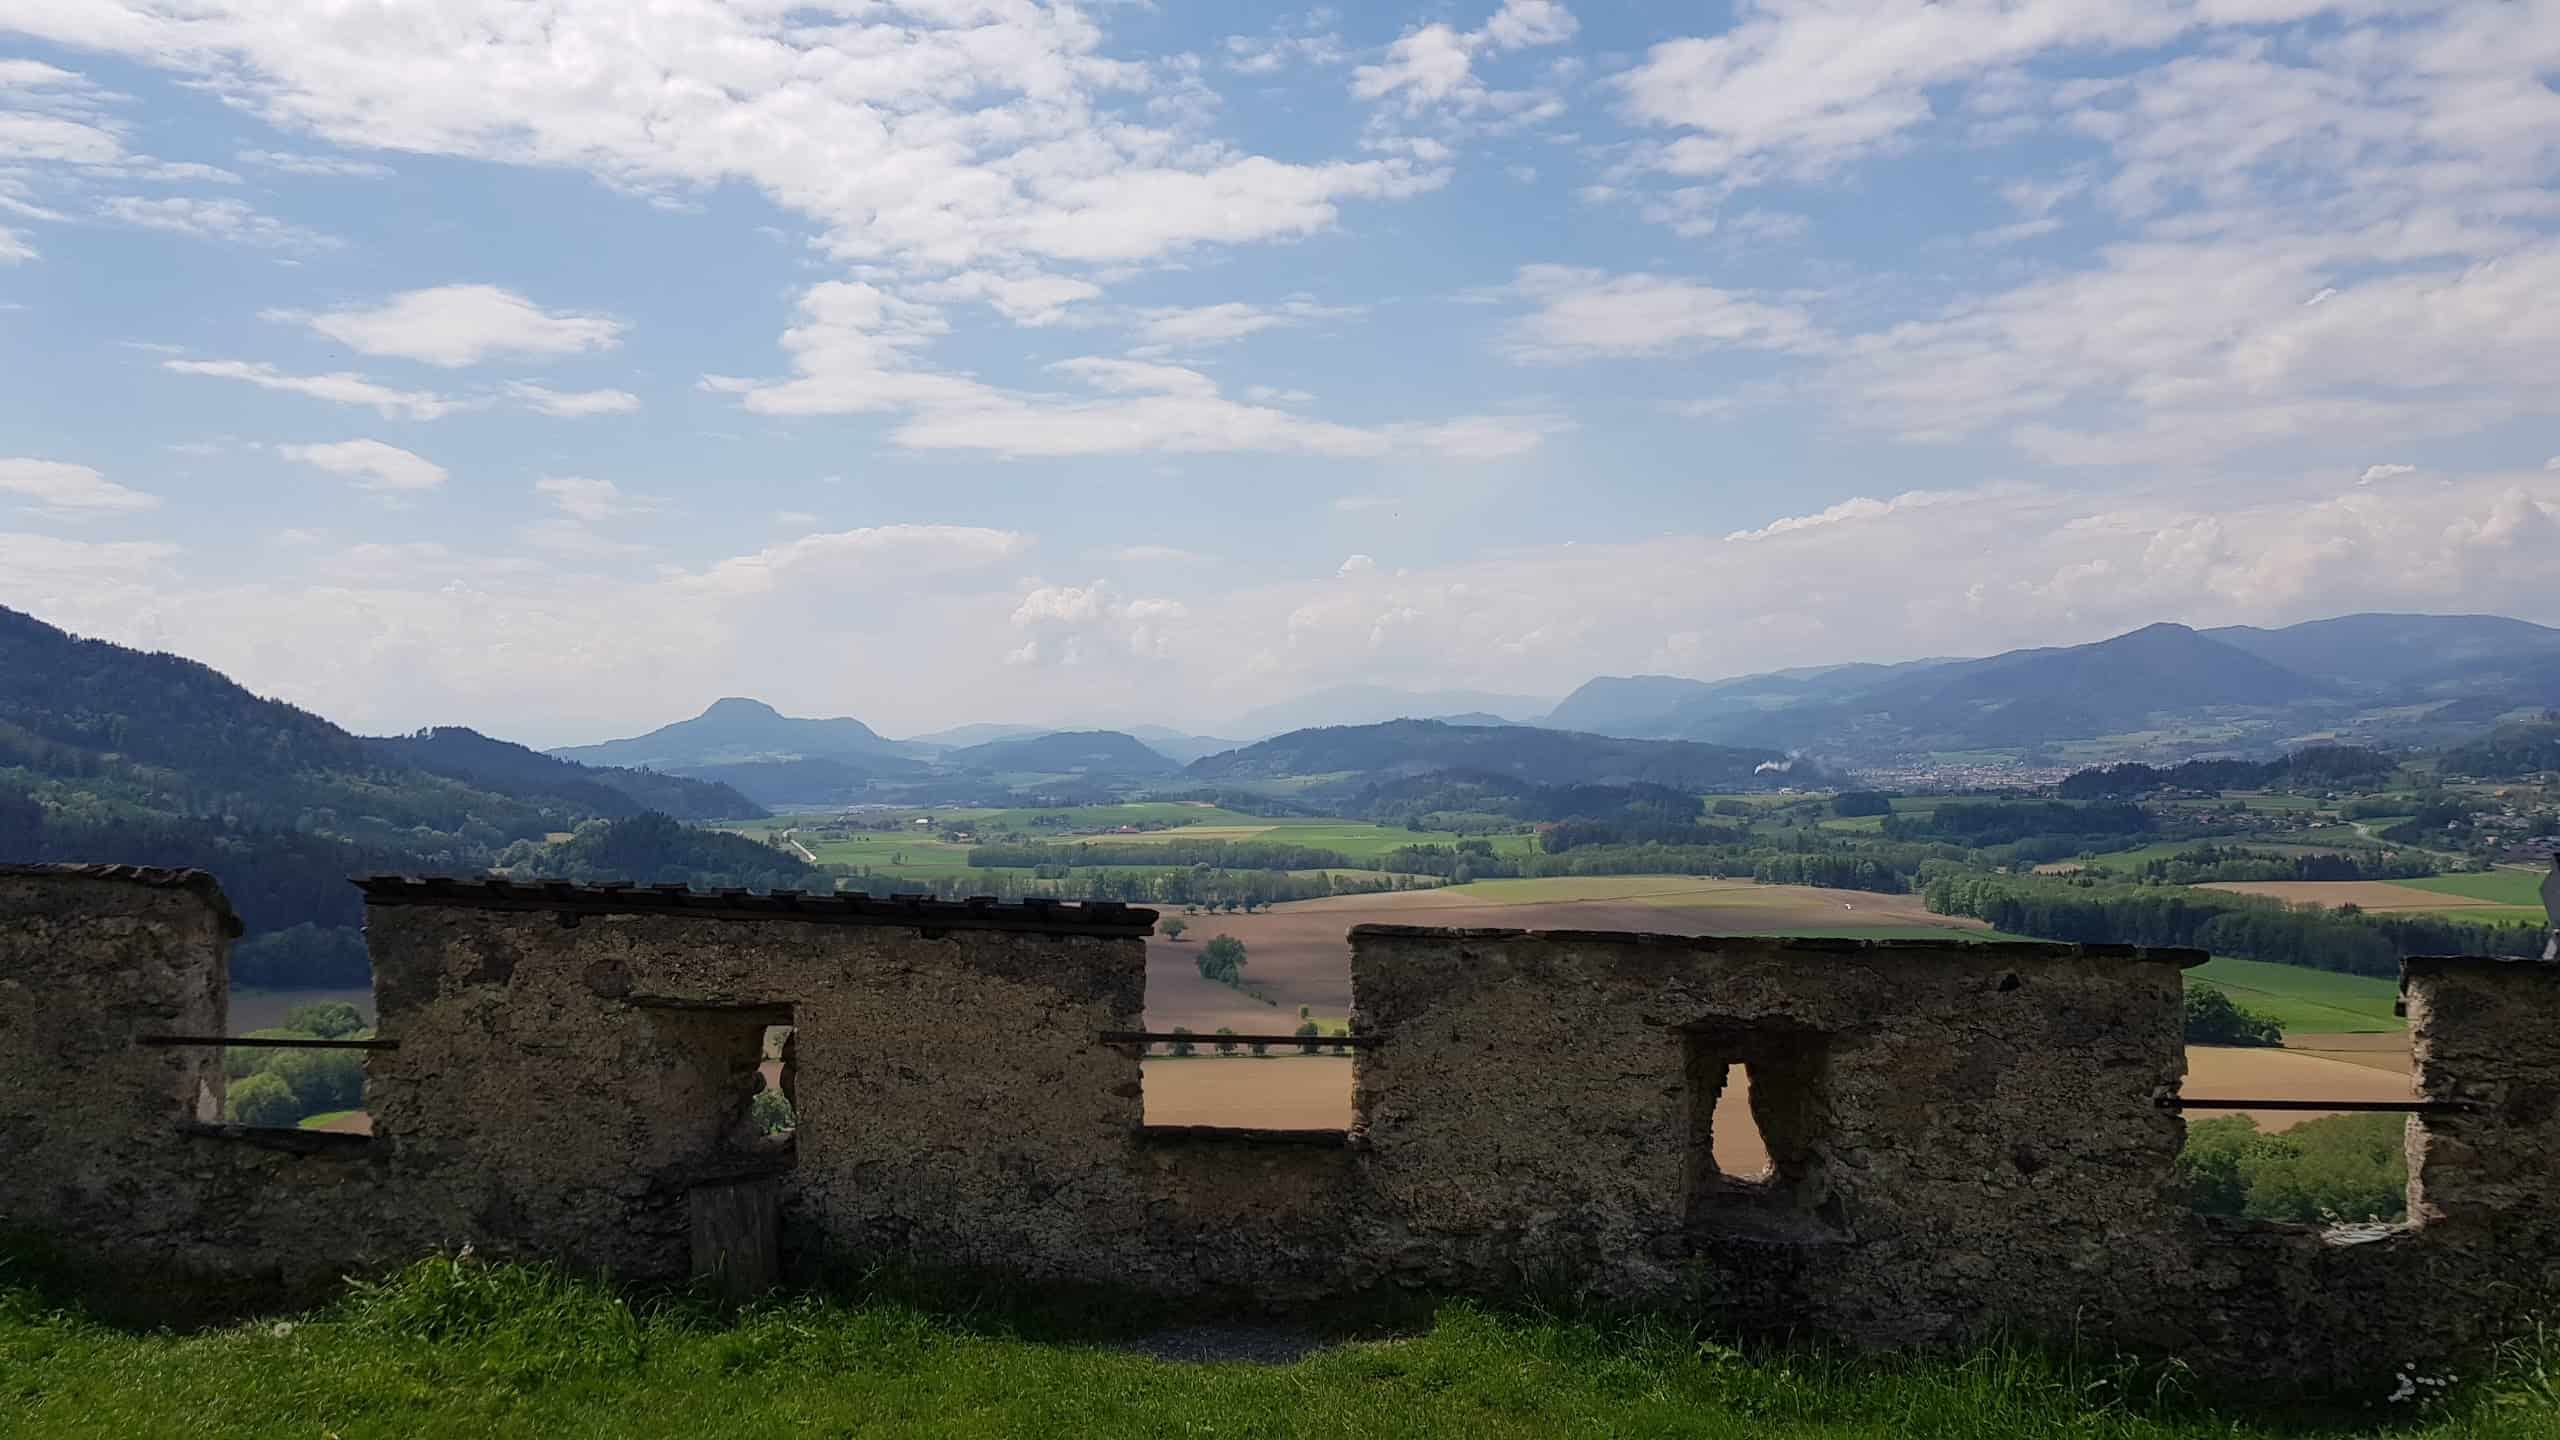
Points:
x=491 y=1352
x=2302 y=999
x=915 y=853
x=2502 y=887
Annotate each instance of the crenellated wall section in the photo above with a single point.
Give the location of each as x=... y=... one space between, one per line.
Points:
x=1966 y=1138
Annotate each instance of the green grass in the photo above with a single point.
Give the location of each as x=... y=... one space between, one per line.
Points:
x=2304 y=1000
x=314 y=1122
x=917 y=856
x=2505 y=887
x=489 y=1352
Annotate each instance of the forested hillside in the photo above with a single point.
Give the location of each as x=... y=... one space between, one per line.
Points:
x=114 y=754
x=615 y=792
x=1552 y=757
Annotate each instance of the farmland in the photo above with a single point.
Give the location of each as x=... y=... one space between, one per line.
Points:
x=2303 y=1000
x=2422 y=896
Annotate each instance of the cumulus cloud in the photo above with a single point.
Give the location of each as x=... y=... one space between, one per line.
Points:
x=340 y=387
x=61 y=489
x=1185 y=327
x=458 y=325
x=1435 y=64
x=2384 y=472
x=1357 y=565
x=586 y=499
x=372 y=464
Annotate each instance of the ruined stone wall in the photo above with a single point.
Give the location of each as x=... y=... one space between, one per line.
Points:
x=1967 y=1138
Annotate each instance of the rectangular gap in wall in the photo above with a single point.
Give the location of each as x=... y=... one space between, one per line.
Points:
x=1271 y=982
x=280 y=1089
x=2310 y=1168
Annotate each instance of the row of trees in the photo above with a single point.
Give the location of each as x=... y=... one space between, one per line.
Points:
x=2245 y=925
x=2211 y=864
x=282 y=1087
x=2341 y=1168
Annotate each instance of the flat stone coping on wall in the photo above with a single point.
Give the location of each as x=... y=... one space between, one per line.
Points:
x=2180 y=956
x=2437 y=964
x=199 y=883
x=1039 y=916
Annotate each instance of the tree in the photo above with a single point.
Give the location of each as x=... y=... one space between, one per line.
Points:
x=1222 y=960
x=327 y=1019
x=1339 y=1047
x=1310 y=1029
x=770 y=1114
x=2213 y=1018
x=320 y=1079
x=1259 y=1047
x=1182 y=1045
x=1226 y=1047
x=1174 y=927
x=262 y=1099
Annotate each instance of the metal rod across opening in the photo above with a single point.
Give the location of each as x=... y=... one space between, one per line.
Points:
x=1167 y=1037
x=246 y=1041
x=2416 y=1107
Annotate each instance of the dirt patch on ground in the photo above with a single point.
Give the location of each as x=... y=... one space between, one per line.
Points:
x=2369 y=894
x=2387 y=1051
x=1298 y=954
x=2216 y=1072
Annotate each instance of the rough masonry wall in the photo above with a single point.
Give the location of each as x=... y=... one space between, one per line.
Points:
x=90 y=958
x=1967 y=1136
x=1963 y=1131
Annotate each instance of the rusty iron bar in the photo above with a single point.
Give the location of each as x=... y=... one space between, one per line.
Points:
x=2417 y=1107
x=268 y=1043
x=1167 y=1037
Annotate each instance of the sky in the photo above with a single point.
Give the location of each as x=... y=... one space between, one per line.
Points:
x=558 y=366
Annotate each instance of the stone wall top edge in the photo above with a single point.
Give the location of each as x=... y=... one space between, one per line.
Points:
x=2518 y=965
x=199 y=883
x=2001 y=950
x=1037 y=916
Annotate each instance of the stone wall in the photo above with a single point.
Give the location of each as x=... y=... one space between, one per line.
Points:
x=1967 y=1138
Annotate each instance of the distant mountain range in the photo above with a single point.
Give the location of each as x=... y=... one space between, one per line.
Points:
x=1359 y=755
x=1372 y=704
x=2161 y=692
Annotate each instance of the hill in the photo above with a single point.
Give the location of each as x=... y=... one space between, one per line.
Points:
x=656 y=849
x=1068 y=752
x=609 y=791
x=2509 y=751
x=114 y=754
x=2381 y=651
x=1367 y=753
x=2160 y=693
x=736 y=731
x=1373 y=704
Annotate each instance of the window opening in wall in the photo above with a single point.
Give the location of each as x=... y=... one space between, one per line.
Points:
x=1260 y=1004
x=1755 y=1109
x=296 y=1089
x=771 y=1113
x=2298 y=1166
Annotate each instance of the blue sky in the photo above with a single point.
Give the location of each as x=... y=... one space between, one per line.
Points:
x=554 y=370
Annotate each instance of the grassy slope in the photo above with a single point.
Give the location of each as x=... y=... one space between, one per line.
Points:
x=493 y=1352
x=2304 y=1000
x=2503 y=887
x=918 y=857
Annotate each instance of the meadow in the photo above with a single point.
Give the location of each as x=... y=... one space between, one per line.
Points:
x=455 y=1347
x=2428 y=896
x=2304 y=1000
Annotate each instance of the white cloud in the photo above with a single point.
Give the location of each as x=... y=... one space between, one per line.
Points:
x=573 y=404
x=1277 y=395
x=587 y=499
x=65 y=490
x=1435 y=64
x=1184 y=327
x=856 y=353
x=222 y=219
x=875 y=554
x=372 y=464
x=329 y=166
x=1031 y=298
x=458 y=325
x=1856 y=509
x=1357 y=565
x=15 y=247
x=2384 y=472
x=341 y=387
x=1585 y=314
x=1265 y=55
x=1157 y=555
x=941 y=136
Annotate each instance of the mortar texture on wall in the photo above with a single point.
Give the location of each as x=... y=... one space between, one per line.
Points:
x=1967 y=1138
